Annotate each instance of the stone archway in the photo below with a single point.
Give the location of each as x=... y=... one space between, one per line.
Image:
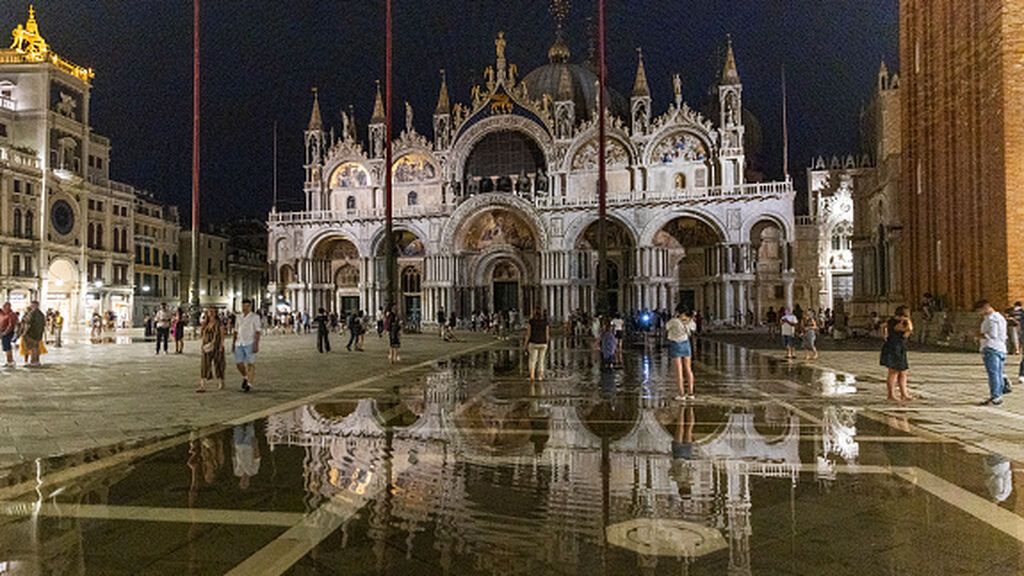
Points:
x=621 y=250
x=690 y=250
x=63 y=288
x=332 y=258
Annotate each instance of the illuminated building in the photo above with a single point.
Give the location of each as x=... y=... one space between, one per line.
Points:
x=497 y=211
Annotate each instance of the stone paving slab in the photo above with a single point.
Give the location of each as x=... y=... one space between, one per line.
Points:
x=91 y=396
x=949 y=384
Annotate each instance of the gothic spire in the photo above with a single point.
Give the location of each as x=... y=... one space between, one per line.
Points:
x=442 y=97
x=729 y=73
x=640 y=88
x=378 y=108
x=315 y=122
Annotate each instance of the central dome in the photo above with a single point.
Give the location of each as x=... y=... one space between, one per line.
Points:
x=545 y=80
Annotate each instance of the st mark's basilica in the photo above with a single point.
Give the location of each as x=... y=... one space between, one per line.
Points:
x=498 y=209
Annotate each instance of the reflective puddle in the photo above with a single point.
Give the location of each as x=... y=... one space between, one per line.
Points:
x=467 y=468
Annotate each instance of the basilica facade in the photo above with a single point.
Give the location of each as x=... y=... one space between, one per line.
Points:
x=497 y=210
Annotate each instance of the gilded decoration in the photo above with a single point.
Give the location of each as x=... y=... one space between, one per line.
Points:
x=680 y=147
x=349 y=175
x=28 y=42
x=414 y=168
x=586 y=158
x=408 y=245
x=499 y=227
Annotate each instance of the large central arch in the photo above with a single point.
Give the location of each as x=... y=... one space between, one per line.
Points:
x=472 y=136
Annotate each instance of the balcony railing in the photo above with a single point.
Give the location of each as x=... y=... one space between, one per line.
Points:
x=753 y=191
x=17 y=157
x=641 y=197
x=8 y=103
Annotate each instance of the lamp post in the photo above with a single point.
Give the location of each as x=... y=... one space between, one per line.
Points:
x=194 y=264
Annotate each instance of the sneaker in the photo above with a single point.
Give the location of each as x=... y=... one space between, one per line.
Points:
x=992 y=402
x=679 y=398
x=245 y=386
x=1020 y=379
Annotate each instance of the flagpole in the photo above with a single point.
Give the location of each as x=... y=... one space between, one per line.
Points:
x=603 y=307
x=194 y=303
x=785 y=128
x=389 y=236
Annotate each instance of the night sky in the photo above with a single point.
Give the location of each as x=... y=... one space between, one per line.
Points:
x=261 y=57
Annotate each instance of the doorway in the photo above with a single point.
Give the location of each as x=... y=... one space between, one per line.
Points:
x=506 y=295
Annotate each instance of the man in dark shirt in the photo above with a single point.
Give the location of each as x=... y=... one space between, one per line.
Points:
x=441 y=319
x=355 y=326
x=323 y=329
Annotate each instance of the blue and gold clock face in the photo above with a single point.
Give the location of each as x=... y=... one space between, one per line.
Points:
x=62 y=217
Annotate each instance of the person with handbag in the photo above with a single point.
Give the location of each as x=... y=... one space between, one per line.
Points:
x=211 y=333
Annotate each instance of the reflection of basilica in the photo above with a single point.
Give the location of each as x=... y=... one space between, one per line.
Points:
x=501 y=202
x=476 y=480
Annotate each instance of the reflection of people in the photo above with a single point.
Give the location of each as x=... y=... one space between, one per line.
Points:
x=246 y=457
x=682 y=448
x=1000 y=477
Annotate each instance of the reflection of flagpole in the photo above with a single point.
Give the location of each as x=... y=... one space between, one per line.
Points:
x=273 y=207
x=785 y=128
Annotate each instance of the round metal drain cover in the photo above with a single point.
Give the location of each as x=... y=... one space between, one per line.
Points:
x=656 y=537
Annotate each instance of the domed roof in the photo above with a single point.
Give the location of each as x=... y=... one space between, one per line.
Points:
x=546 y=79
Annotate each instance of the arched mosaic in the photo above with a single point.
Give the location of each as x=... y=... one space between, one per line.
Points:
x=349 y=175
x=499 y=227
x=615 y=155
x=681 y=146
x=414 y=168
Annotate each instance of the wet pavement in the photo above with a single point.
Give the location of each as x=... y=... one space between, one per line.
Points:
x=461 y=466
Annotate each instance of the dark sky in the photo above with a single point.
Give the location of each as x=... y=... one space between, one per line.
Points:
x=260 y=58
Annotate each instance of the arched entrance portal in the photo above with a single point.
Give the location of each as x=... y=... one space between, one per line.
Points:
x=63 y=289
x=694 y=256
x=500 y=247
x=410 y=253
x=335 y=274
x=768 y=244
x=621 y=266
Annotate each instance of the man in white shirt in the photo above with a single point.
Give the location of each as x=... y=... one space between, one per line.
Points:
x=992 y=342
x=787 y=327
x=162 y=319
x=245 y=343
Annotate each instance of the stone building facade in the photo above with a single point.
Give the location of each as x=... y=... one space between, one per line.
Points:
x=157 y=266
x=66 y=230
x=962 y=169
x=497 y=211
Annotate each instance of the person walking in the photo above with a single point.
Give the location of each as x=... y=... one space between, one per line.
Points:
x=162 y=320
x=245 y=344
x=379 y=319
x=442 y=319
x=896 y=330
x=58 y=329
x=8 y=331
x=1013 y=327
x=323 y=331
x=394 y=328
x=211 y=333
x=179 y=332
x=35 y=331
x=538 y=334
x=354 y=326
x=787 y=327
x=810 y=336
x=678 y=331
x=992 y=343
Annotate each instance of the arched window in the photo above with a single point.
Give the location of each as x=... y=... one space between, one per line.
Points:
x=680 y=181
x=17 y=222
x=350 y=203
x=411 y=280
x=842 y=236
x=411 y=199
x=28 y=223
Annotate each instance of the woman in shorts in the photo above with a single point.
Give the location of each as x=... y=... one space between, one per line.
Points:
x=680 y=350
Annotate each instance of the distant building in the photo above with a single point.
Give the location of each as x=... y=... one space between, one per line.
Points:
x=214 y=288
x=157 y=266
x=848 y=243
x=66 y=229
x=497 y=211
x=247 y=262
x=962 y=169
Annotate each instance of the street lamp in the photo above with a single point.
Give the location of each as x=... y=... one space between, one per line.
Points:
x=98 y=284
x=146 y=288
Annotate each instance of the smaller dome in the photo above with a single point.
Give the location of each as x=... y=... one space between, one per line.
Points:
x=559 y=52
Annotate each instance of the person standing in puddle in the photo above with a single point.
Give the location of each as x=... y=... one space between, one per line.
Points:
x=992 y=343
x=896 y=330
x=787 y=327
x=538 y=334
x=680 y=349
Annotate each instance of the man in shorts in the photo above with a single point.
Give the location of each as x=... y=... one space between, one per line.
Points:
x=245 y=344
x=788 y=323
